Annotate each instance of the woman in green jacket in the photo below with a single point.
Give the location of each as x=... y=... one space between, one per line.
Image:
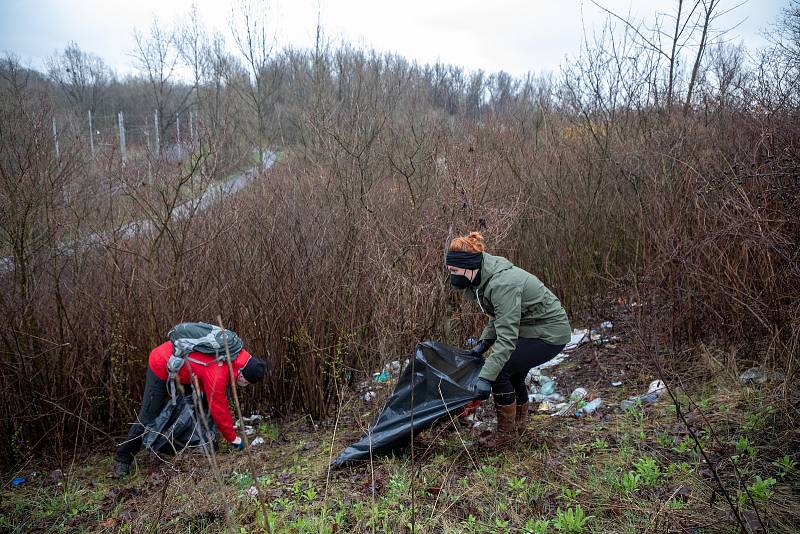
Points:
x=527 y=327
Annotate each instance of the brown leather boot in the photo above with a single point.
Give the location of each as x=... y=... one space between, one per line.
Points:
x=506 y=428
x=522 y=418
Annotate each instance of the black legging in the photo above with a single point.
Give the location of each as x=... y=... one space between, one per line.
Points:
x=510 y=383
x=153 y=401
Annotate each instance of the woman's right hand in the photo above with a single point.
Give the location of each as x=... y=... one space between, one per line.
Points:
x=482 y=346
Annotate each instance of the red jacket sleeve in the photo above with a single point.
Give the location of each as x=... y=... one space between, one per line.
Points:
x=215 y=389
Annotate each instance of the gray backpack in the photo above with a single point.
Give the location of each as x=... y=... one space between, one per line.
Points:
x=205 y=338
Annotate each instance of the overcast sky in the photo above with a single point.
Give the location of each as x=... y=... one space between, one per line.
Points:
x=517 y=36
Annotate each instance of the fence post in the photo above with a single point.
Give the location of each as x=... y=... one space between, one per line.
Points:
x=122 y=138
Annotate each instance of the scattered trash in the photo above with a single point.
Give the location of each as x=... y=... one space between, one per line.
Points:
x=252 y=492
x=755 y=375
x=472 y=342
x=370 y=396
x=657 y=386
x=656 y=390
x=616 y=383
x=607 y=325
x=539 y=383
x=248 y=430
x=579 y=337
x=56 y=475
x=589 y=407
x=393 y=367
x=577 y=394
x=255 y=418
x=383 y=376
x=553 y=397
x=258 y=441
x=575 y=399
x=18 y=481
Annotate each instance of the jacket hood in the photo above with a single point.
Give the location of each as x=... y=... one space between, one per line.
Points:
x=490 y=266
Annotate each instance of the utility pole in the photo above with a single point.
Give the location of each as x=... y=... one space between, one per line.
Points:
x=122 y=138
x=55 y=137
x=91 y=133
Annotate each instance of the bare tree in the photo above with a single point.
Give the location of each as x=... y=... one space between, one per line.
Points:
x=82 y=77
x=157 y=56
x=255 y=41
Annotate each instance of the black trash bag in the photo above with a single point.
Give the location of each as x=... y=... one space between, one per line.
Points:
x=178 y=427
x=442 y=385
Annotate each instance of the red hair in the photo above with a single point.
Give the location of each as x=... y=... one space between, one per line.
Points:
x=469 y=243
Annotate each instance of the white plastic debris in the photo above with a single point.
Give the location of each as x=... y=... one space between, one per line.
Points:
x=589 y=407
x=657 y=386
x=577 y=394
x=370 y=396
x=393 y=367
x=656 y=390
x=616 y=383
x=252 y=492
x=579 y=337
x=258 y=441
x=575 y=398
x=255 y=418
x=248 y=430
x=607 y=325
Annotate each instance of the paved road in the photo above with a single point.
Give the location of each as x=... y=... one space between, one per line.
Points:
x=206 y=199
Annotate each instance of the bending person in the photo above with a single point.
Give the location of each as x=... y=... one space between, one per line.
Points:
x=527 y=327
x=213 y=377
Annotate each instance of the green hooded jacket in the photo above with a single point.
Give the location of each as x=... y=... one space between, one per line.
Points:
x=519 y=306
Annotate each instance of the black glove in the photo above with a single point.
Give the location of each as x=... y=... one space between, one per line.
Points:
x=482 y=346
x=482 y=388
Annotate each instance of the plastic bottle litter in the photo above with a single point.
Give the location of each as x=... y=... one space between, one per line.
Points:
x=553 y=397
x=539 y=383
x=18 y=481
x=656 y=390
x=256 y=442
x=575 y=402
x=616 y=383
x=577 y=394
x=589 y=407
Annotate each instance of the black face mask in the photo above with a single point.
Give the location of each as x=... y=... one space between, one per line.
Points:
x=459 y=281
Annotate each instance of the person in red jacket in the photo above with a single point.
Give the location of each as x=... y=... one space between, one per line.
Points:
x=213 y=379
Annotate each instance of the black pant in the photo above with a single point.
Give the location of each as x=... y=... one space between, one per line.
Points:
x=155 y=397
x=510 y=383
